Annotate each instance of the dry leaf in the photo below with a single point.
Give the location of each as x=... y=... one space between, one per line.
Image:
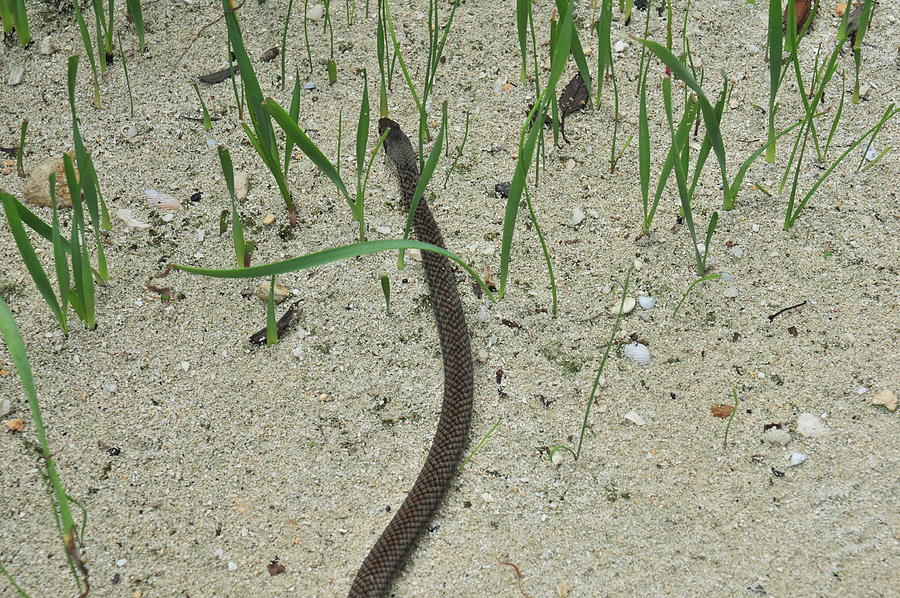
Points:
x=721 y=411
x=15 y=425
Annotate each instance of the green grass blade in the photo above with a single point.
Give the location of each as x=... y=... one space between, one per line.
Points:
x=426 y=175
x=690 y=288
x=60 y=261
x=29 y=257
x=295 y=114
x=320 y=258
x=775 y=37
x=362 y=131
x=137 y=16
x=237 y=230
x=20 y=150
x=306 y=145
x=386 y=289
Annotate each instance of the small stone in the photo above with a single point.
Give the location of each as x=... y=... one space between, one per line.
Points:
x=168 y=217
x=315 y=12
x=502 y=189
x=132 y=131
x=110 y=387
x=281 y=292
x=232 y=566
x=121 y=562
x=871 y=153
x=557 y=458
x=157 y=200
x=620 y=46
x=482 y=357
x=625 y=307
x=16 y=74
x=486 y=497
x=730 y=292
x=268 y=220
x=5 y=407
x=37 y=187
x=809 y=426
x=646 y=302
x=241 y=184
x=777 y=436
x=795 y=459
x=563 y=589
x=185 y=366
x=297 y=352
x=47 y=46
x=308 y=86
x=15 y=425
x=864 y=90
x=577 y=216
x=383 y=230
x=884 y=398
x=637 y=264
x=127 y=216
x=635 y=418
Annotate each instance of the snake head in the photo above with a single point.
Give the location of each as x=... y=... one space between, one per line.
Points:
x=395 y=136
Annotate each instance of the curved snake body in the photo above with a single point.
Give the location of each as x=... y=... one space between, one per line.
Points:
x=384 y=560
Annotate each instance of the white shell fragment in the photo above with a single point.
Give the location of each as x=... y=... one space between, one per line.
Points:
x=647 y=302
x=241 y=184
x=810 y=426
x=795 y=459
x=778 y=436
x=127 y=216
x=627 y=306
x=161 y=201
x=635 y=418
x=577 y=216
x=871 y=153
x=885 y=398
x=638 y=353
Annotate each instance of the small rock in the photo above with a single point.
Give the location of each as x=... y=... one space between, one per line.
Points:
x=625 y=307
x=315 y=12
x=563 y=589
x=232 y=566
x=730 y=292
x=5 y=407
x=16 y=74
x=297 y=352
x=132 y=131
x=885 y=398
x=268 y=220
x=127 y=216
x=308 y=86
x=482 y=357
x=635 y=418
x=577 y=216
x=864 y=90
x=281 y=292
x=620 y=46
x=809 y=426
x=160 y=201
x=110 y=387
x=15 y=425
x=777 y=436
x=121 y=562
x=168 y=217
x=871 y=153
x=646 y=302
x=486 y=497
x=558 y=458
x=383 y=230
x=47 y=46
x=637 y=264
x=241 y=184
x=795 y=459
x=502 y=189
x=37 y=188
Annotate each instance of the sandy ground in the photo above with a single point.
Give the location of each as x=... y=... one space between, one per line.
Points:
x=231 y=456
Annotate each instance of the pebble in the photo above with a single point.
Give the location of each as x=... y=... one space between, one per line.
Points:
x=160 y=201
x=127 y=216
x=730 y=292
x=635 y=418
x=620 y=46
x=626 y=307
x=646 y=302
x=5 y=407
x=241 y=184
x=486 y=497
x=184 y=366
x=132 y=131
x=281 y=292
x=47 y=46
x=232 y=566
x=315 y=12
x=121 y=562
x=809 y=426
x=16 y=74
x=482 y=356
x=383 y=230
x=795 y=459
x=168 y=217
x=637 y=264
x=110 y=387
x=37 y=190
x=268 y=220
x=211 y=143
x=577 y=216
x=309 y=86
x=885 y=398
x=864 y=90
x=777 y=436
x=502 y=189
x=558 y=458
x=871 y=153
x=297 y=352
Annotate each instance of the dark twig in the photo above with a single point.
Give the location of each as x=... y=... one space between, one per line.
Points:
x=781 y=311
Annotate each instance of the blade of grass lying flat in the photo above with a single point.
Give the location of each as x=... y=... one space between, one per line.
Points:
x=16 y=348
x=29 y=257
x=306 y=145
x=320 y=258
x=709 y=113
x=526 y=145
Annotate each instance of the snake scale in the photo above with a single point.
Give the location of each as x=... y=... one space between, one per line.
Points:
x=388 y=554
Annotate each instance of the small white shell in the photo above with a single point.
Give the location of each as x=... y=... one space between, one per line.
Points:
x=647 y=302
x=638 y=353
x=627 y=306
x=161 y=201
x=635 y=418
x=127 y=216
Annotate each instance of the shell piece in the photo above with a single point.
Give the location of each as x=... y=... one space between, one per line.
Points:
x=627 y=306
x=638 y=353
x=161 y=201
x=281 y=292
x=647 y=302
x=810 y=426
x=127 y=216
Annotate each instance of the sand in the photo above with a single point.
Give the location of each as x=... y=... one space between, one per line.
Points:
x=229 y=456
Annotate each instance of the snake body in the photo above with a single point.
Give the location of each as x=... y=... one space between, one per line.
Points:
x=387 y=555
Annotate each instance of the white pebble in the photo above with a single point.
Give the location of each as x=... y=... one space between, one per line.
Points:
x=219 y=553
x=5 y=407
x=315 y=12
x=577 y=216
x=557 y=458
x=211 y=143
x=121 y=562
x=810 y=426
x=777 y=436
x=646 y=301
x=168 y=217
x=132 y=131
x=620 y=46
x=110 y=387
x=730 y=292
x=232 y=566
x=626 y=306
x=382 y=230
x=871 y=152
x=127 y=216
x=184 y=366
x=635 y=418
x=638 y=353
x=795 y=459
x=486 y=497
x=297 y=352
x=15 y=75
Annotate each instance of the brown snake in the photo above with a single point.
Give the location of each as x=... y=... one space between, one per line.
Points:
x=384 y=560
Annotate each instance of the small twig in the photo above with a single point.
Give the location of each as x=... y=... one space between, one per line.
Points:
x=781 y=311
x=518 y=578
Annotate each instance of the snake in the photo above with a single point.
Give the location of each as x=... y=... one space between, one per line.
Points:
x=385 y=559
